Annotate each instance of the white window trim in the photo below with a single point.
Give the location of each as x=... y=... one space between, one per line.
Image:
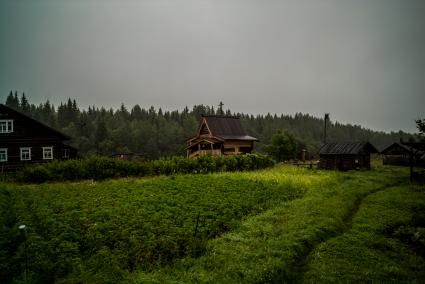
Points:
x=26 y=148
x=7 y=128
x=5 y=151
x=45 y=151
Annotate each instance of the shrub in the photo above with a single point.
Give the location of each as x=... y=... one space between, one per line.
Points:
x=99 y=168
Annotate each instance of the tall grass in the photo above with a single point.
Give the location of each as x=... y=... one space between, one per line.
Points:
x=284 y=224
x=102 y=231
x=277 y=246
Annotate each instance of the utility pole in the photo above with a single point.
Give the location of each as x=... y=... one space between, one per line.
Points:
x=326 y=120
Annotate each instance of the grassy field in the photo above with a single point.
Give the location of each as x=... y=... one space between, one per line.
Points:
x=284 y=224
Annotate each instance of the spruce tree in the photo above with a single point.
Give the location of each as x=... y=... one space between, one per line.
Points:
x=25 y=107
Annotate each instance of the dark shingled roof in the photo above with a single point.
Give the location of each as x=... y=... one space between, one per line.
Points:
x=227 y=127
x=349 y=148
x=396 y=149
x=420 y=146
x=56 y=132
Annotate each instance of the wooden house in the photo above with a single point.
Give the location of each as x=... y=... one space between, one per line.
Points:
x=25 y=141
x=220 y=135
x=346 y=156
x=399 y=154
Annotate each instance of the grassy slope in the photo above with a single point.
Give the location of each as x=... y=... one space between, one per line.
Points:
x=368 y=249
x=283 y=225
x=335 y=232
x=99 y=231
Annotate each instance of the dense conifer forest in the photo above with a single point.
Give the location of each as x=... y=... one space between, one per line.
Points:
x=155 y=133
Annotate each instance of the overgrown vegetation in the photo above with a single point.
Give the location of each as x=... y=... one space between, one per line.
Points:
x=156 y=133
x=101 y=232
x=285 y=224
x=284 y=146
x=99 y=168
x=332 y=234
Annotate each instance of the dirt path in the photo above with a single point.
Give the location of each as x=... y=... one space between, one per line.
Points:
x=301 y=263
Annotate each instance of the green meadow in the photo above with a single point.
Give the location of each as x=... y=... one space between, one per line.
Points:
x=284 y=224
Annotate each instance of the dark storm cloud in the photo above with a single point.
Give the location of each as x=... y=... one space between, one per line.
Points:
x=362 y=61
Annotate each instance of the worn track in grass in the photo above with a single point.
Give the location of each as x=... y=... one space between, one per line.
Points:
x=301 y=263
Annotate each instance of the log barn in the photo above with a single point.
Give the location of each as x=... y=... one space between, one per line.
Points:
x=346 y=156
x=399 y=154
x=220 y=135
x=25 y=141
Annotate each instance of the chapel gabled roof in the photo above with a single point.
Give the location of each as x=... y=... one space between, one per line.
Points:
x=227 y=127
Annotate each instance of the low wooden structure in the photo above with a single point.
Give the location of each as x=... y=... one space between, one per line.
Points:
x=346 y=156
x=126 y=156
x=415 y=149
x=398 y=154
x=25 y=141
x=220 y=135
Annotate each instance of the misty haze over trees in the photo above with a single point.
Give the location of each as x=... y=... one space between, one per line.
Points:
x=155 y=133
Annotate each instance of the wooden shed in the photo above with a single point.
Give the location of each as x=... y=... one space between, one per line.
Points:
x=346 y=156
x=399 y=154
x=220 y=135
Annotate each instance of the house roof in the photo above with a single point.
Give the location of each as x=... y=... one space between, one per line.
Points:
x=419 y=146
x=227 y=127
x=396 y=149
x=52 y=130
x=348 y=148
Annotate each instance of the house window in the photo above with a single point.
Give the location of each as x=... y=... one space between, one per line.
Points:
x=6 y=126
x=25 y=153
x=65 y=153
x=3 y=154
x=47 y=153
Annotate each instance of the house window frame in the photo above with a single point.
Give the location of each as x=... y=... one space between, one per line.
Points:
x=48 y=150
x=6 y=125
x=3 y=152
x=22 y=149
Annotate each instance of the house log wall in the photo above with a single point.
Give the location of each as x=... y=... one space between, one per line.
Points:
x=14 y=153
x=344 y=162
x=402 y=160
x=227 y=148
x=236 y=146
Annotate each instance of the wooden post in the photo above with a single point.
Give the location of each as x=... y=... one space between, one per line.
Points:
x=411 y=163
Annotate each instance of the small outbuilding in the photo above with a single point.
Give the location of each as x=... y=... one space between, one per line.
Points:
x=220 y=135
x=346 y=156
x=128 y=156
x=399 y=154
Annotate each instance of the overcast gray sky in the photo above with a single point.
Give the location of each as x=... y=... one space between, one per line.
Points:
x=361 y=60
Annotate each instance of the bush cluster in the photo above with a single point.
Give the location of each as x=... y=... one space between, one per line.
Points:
x=99 y=168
